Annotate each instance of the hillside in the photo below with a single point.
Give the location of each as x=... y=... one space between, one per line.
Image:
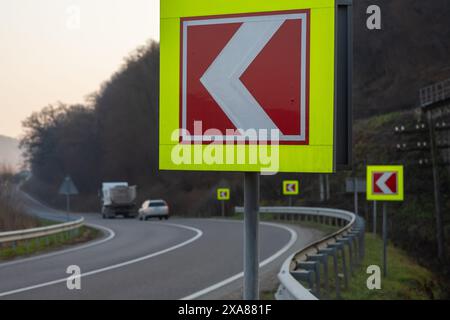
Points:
x=410 y=51
x=10 y=154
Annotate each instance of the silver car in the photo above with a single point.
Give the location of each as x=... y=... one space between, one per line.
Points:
x=154 y=209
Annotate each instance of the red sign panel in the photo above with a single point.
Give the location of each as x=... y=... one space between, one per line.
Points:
x=385 y=182
x=245 y=72
x=291 y=187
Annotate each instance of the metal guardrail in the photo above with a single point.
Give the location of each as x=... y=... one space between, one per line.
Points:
x=435 y=93
x=26 y=234
x=310 y=265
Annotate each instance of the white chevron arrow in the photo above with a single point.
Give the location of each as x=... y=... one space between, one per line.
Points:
x=381 y=183
x=222 y=77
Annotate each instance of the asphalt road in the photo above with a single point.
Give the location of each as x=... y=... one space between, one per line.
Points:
x=175 y=259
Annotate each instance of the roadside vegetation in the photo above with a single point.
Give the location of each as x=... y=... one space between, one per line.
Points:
x=406 y=279
x=47 y=244
x=13 y=217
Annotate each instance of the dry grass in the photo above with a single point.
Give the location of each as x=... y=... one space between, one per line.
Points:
x=12 y=216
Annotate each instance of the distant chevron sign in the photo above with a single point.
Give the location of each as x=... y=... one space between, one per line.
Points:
x=223 y=194
x=290 y=187
x=246 y=72
x=385 y=183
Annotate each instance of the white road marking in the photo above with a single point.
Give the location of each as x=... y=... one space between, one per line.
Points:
x=198 y=232
x=229 y=280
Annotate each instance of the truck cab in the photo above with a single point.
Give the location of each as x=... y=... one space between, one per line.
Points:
x=118 y=198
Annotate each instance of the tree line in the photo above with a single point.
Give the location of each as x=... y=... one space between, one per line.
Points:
x=112 y=137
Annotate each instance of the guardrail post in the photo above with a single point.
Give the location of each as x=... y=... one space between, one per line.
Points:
x=363 y=241
x=359 y=231
x=314 y=266
x=340 y=246
x=333 y=253
x=349 y=241
x=356 y=242
x=323 y=258
x=304 y=275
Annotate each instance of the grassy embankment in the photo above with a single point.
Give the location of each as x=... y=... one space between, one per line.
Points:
x=13 y=217
x=406 y=279
x=49 y=243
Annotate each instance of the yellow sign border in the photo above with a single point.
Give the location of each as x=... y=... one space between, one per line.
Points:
x=318 y=156
x=226 y=190
x=382 y=168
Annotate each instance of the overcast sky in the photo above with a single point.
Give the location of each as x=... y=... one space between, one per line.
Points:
x=62 y=50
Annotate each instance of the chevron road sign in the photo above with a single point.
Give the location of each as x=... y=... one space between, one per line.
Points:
x=223 y=194
x=290 y=187
x=235 y=74
x=385 y=183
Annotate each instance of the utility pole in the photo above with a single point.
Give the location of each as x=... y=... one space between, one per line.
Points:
x=436 y=184
x=434 y=98
x=355 y=194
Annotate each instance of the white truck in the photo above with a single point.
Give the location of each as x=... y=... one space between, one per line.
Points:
x=118 y=199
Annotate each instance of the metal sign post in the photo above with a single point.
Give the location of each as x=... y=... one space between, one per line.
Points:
x=68 y=188
x=322 y=188
x=385 y=239
x=355 y=185
x=251 y=236
x=374 y=217
x=223 y=208
x=68 y=206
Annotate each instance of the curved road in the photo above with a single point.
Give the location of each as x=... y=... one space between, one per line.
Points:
x=180 y=258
